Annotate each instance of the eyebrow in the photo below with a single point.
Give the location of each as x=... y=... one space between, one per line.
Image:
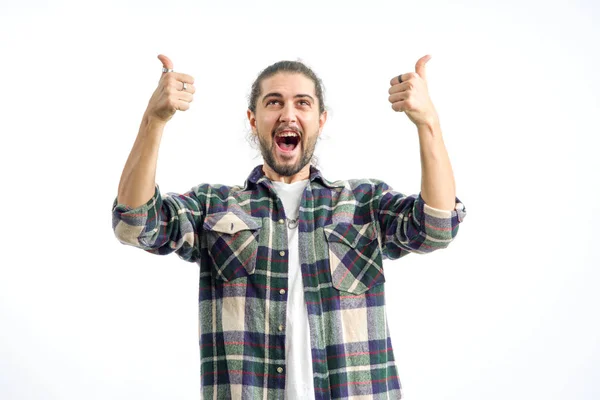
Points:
x=279 y=95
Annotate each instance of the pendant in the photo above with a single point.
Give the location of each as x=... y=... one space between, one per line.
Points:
x=292 y=223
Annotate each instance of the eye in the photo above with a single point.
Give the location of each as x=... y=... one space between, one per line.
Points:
x=272 y=102
x=304 y=103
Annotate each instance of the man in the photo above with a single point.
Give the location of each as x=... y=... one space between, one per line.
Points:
x=291 y=297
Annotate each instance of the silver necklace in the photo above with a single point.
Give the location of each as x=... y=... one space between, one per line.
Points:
x=292 y=223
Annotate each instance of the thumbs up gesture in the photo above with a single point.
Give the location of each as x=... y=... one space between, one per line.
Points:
x=409 y=94
x=175 y=92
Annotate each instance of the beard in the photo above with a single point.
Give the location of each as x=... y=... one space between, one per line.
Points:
x=268 y=154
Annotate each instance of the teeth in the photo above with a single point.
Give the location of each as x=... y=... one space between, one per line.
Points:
x=287 y=134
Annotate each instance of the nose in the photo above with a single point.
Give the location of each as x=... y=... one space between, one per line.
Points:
x=288 y=113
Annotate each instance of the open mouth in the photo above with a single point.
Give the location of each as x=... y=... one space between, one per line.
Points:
x=287 y=141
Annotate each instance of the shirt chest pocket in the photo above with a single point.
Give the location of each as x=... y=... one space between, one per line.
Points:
x=232 y=244
x=354 y=257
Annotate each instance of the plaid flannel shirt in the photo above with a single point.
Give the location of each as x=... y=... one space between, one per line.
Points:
x=238 y=237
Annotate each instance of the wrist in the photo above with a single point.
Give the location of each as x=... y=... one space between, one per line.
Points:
x=151 y=128
x=430 y=127
x=153 y=123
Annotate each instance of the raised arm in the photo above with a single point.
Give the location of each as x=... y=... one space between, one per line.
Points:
x=174 y=92
x=409 y=94
x=428 y=221
x=142 y=217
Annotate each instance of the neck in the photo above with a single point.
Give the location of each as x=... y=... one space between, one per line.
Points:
x=303 y=174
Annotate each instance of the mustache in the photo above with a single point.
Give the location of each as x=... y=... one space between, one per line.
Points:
x=286 y=127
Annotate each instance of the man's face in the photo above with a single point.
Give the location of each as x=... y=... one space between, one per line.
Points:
x=287 y=122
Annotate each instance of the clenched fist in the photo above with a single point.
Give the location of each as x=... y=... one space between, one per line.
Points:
x=175 y=91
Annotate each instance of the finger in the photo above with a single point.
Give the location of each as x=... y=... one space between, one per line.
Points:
x=396 y=97
x=401 y=106
x=402 y=87
x=179 y=78
x=420 y=66
x=397 y=106
x=183 y=78
x=404 y=77
x=182 y=105
x=185 y=96
x=397 y=79
x=188 y=88
x=166 y=61
x=173 y=81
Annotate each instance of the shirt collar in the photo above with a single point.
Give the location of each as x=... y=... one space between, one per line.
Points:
x=258 y=176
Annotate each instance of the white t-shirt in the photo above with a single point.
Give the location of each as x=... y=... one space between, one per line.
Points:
x=299 y=376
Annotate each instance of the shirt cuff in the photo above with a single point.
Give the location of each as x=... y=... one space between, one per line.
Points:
x=459 y=212
x=125 y=210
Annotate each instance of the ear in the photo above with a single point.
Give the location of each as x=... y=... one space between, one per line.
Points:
x=322 y=120
x=252 y=121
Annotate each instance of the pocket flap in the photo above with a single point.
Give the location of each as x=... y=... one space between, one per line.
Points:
x=351 y=234
x=229 y=222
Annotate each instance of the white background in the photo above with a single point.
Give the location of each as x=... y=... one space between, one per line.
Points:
x=508 y=311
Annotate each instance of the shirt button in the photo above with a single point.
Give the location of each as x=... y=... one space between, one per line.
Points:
x=279 y=369
x=281 y=221
x=281 y=291
x=280 y=327
x=282 y=253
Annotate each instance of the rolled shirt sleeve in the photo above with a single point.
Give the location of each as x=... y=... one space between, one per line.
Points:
x=408 y=224
x=163 y=225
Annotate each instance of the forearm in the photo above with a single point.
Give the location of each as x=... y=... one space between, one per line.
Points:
x=437 y=179
x=137 y=182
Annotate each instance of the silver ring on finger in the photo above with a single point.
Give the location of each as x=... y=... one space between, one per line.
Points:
x=184 y=86
x=167 y=70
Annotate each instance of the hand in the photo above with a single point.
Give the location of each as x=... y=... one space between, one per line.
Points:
x=170 y=94
x=411 y=96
